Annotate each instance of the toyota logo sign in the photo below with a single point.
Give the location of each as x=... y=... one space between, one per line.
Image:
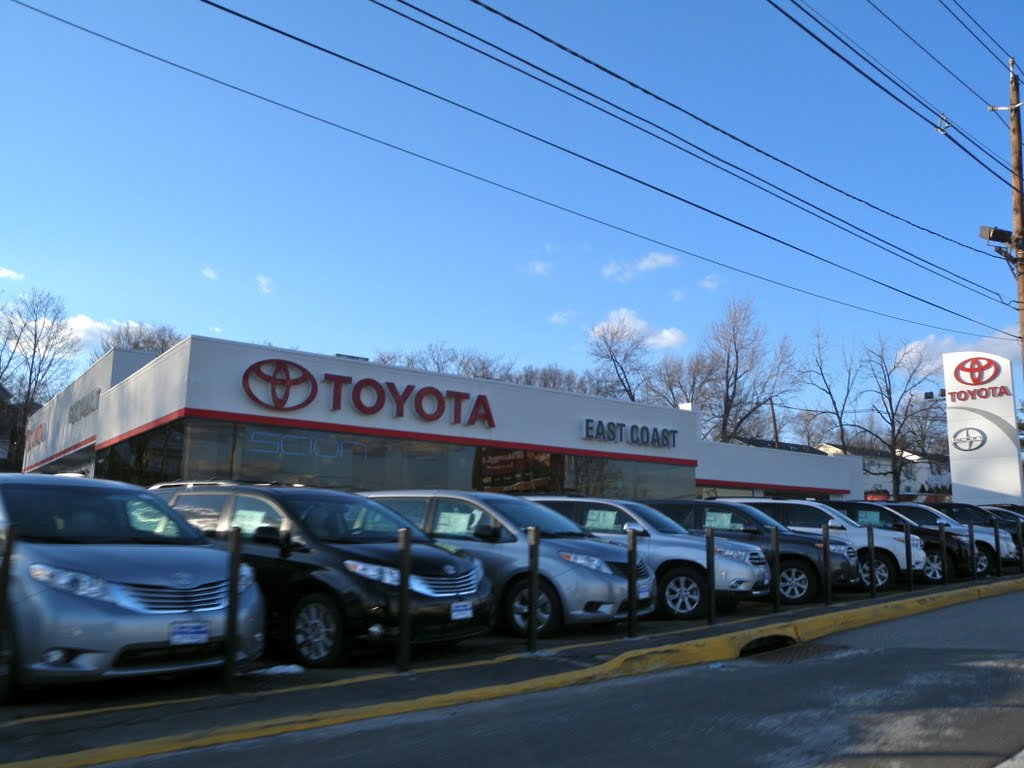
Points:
x=969 y=439
x=279 y=384
x=976 y=371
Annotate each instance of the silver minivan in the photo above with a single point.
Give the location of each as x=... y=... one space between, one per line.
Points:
x=678 y=558
x=583 y=580
x=138 y=591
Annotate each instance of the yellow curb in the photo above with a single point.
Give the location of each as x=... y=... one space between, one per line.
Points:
x=722 y=647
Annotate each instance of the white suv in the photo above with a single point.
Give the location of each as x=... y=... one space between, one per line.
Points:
x=890 y=546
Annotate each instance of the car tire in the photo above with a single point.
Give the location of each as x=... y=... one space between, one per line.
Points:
x=932 y=572
x=797 y=582
x=886 y=569
x=985 y=561
x=318 y=637
x=682 y=593
x=516 y=609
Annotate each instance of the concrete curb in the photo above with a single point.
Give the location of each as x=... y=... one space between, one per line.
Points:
x=724 y=647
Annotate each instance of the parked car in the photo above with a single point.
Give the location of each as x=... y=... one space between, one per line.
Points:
x=328 y=563
x=801 y=558
x=106 y=581
x=678 y=559
x=878 y=514
x=984 y=538
x=890 y=546
x=583 y=580
x=986 y=519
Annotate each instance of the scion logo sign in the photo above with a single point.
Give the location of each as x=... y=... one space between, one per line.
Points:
x=976 y=371
x=279 y=384
x=286 y=386
x=969 y=439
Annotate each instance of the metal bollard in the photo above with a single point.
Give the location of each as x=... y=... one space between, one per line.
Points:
x=532 y=540
x=872 y=588
x=6 y=635
x=231 y=631
x=776 y=567
x=999 y=549
x=709 y=538
x=945 y=558
x=631 y=554
x=404 y=572
x=910 y=564
x=1020 y=545
x=974 y=555
x=826 y=554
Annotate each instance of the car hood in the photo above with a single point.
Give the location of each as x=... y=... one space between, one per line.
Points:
x=166 y=565
x=427 y=559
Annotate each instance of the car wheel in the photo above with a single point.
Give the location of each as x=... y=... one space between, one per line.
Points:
x=318 y=638
x=517 y=609
x=682 y=594
x=933 y=566
x=885 y=571
x=797 y=582
x=984 y=561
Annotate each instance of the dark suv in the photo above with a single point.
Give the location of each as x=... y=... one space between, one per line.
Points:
x=800 y=554
x=328 y=565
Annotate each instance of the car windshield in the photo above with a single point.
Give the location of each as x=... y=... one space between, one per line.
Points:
x=522 y=513
x=77 y=514
x=337 y=519
x=659 y=521
x=923 y=515
x=762 y=517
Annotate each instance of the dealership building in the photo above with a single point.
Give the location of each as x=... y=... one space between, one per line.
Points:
x=209 y=408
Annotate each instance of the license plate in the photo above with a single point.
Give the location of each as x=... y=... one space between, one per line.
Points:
x=462 y=611
x=643 y=591
x=189 y=633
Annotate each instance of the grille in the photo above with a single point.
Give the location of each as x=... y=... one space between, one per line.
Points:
x=169 y=654
x=446 y=586
x=206 y=597
x=757 y=558
x=622 y=569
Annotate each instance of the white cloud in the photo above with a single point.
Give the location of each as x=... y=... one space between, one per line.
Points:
x=560 y=318
x=678 y=295
x=709 y=283
x=10 y=274
x=655 y=260
x=623 y=273
x=88 y=330
x=540 y=268
x=663 y=339
x=264 y=283
x=934 y=347
x=667 y=338
x=209 y=274
x=216 y=329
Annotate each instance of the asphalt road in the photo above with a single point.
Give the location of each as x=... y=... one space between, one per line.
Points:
x=944 y=688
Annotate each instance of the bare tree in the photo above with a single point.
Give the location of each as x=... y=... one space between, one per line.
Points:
x=556 y=377
x=746 y=376
x=674 y=381
x=44 y=346
x=443 y=358
x=896 y=379
x=619 y=347
x=838 y=390
x=139 y=337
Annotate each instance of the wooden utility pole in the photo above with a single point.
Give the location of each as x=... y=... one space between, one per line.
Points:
x=1017 y=244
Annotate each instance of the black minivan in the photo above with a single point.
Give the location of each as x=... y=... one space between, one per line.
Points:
x=328 y=565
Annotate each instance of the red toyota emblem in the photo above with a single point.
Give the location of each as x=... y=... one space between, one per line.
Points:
x=976 y=371
x=279 y=384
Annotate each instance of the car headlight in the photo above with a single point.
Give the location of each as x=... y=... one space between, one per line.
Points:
x=917 y=542
x=81 y=584
x=839 y=549
x=381 y=573
x=587 y=561
x=738 y=554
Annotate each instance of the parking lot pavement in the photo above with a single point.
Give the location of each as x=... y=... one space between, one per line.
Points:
x=96 y=724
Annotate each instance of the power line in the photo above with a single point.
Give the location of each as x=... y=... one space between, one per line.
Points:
x=985 y=31
x=716 y=161
x=593 y=162
x=943 y=124
x=981 y=42
x=490 y=182
x=929 y=54
x=708 y=124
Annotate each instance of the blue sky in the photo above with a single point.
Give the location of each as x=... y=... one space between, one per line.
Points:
x=139 y=192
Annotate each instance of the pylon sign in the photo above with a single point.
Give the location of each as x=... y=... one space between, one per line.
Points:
x=981 y=418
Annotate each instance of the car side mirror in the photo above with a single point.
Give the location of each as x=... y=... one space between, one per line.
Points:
x=267 y=534
x=638 y=529
x=836 y=525
x=486 y=532
x=750 y=529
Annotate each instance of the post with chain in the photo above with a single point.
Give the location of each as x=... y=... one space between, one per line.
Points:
x=907 y=551
x=6 y=633
x=999 y=549
x=972 y=543
x=404 y=573
x=776 y=594
x=826 y=553
x=532 y=540
x=631 y=555
x=709 y=582
x=945 y=556
x=872 y=586
x=231 y=631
